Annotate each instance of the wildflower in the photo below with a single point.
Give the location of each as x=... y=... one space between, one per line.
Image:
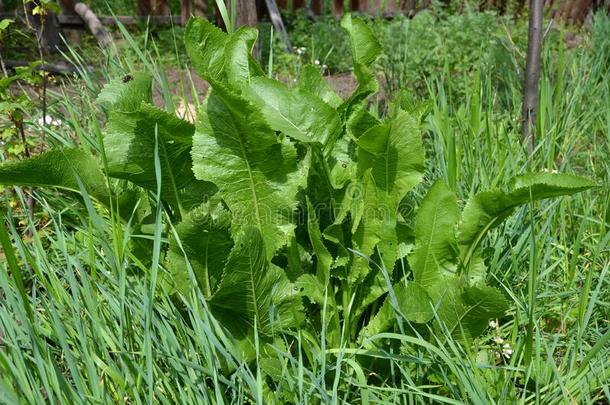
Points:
x=55 y=122
x=493 y=324
x=554 y=171
x=316 y=62
x=498 y=340
x=324 y=67
x=507 y=351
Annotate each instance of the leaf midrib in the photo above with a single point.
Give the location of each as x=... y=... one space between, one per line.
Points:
x=251 y=178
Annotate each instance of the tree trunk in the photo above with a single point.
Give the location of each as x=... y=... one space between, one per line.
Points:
x=317 y=7
x=93 y=23
x=152 y=7
x=72 y=35
x=185 y=11
x=532 y=75
x=246 y=13
x=200 y=8
x=579 y=13
x=143 y=7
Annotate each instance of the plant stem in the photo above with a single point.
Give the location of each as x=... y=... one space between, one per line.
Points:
x=26 y=151
x=532 y=75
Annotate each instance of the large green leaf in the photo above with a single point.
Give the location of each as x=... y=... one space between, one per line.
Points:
x=343 y=168
x=394 y=153
x=219 y=58
x=206 y=239
x=365 y=50
x=342 y=158
x=131 y=138
x=364 y=44
x=240 y=67
x=368 y=218
x=205 y=46
x=58 y=168
x=435 y=242
x=128 y=93
x=489 y=209
x=465 y=310
x=312 y=82
x=257 y=174
x=299 y=115
x=390 y=161
x=412 y=301
x=253 y=291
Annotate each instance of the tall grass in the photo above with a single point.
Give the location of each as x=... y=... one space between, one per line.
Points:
x=82 y=320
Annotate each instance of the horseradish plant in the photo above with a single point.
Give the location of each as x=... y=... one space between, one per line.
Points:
x=288 y=203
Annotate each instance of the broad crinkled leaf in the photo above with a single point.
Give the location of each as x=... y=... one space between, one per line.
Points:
x=257 y=174
x=219 y=58
x=130 y=141
x=253 y=289
x=312 y=82
x=435 y=242
x=360 y=121
x=365 y=50
x=312 y=289
x=405 y=101
x=465 y=310
x=343 y=168
x=371 y=222
x=364 y=44
x=394 y=153
x=128 y=93
x=205 y=46
x=240 y=68
x=489 y=209
x=390 y=161
x=58 y=168
x=413 y=303
x=342 y=159
x=299 y=115
x=206 y=239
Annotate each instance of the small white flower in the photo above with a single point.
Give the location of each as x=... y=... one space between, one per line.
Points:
x=507 y=351
x=324 y=67
x=316 y=62
x=493 y=324
x=299 y=51
x=498 y=340
x=54 y=122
